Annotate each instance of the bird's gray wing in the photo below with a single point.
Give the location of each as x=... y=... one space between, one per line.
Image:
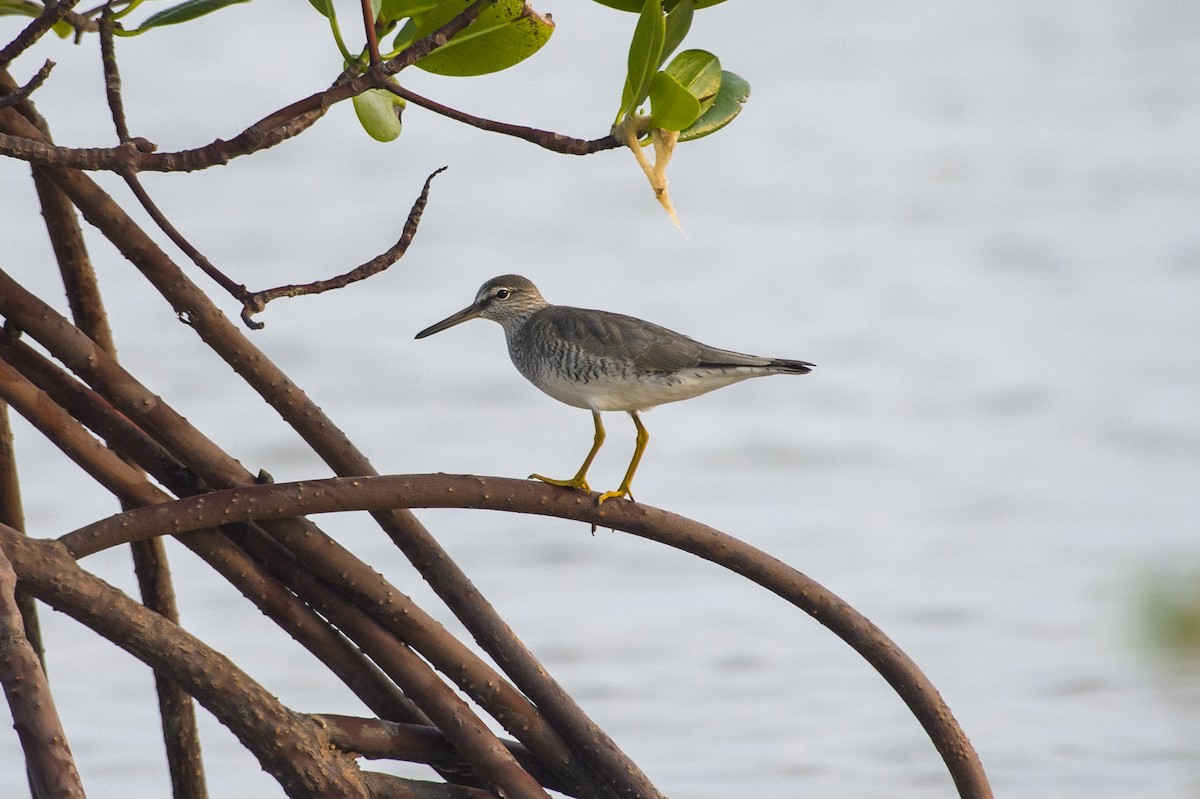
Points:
x=649 y=347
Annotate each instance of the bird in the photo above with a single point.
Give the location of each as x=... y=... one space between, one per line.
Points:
x=604 y=361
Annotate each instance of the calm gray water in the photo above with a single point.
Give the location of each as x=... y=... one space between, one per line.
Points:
x=982 y=222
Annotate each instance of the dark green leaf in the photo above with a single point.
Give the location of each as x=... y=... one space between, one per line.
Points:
x=645 y=55
x=378 y=112
x=184 y=12
x=733 y=92
x=672 y=106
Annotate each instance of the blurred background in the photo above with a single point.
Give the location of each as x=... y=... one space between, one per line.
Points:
x=981 y=221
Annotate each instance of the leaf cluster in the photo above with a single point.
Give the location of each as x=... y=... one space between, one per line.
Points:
x=693 y=95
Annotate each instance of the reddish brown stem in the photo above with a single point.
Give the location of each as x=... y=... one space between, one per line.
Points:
x=371 y=34
x=47 y=757
x=288 y=745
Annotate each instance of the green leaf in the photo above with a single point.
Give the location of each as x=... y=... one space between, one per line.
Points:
x=679 y=22
x=403 y=9
x=503 y=35
x=636 y=5
x=734 y=91
x=405 y=36
x=378 y=112
x=184 y=12
x=63 y=29
x=19 y=9
x=645 y=56
x=672 y=106
x=323 y=7
x=698 y=71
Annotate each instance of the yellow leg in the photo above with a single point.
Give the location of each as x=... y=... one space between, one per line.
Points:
x=642 y=439
x=580 y=478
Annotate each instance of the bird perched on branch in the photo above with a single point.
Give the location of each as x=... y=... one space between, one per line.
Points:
x=605 y=361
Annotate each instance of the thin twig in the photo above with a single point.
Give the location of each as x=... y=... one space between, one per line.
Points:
x=29 y=88
x=282 y=125
x=35 y=30
x=549 y=140
x=112 y=75
x=256 y=301
x=112 y=85
x=238 y=290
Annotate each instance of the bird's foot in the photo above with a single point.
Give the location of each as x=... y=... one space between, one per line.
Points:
x=575 y=482
x=623 y=491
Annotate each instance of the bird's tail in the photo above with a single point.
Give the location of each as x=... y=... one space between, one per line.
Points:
x=792 y=367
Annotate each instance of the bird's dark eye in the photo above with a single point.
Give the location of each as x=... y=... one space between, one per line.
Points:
x=502 y=294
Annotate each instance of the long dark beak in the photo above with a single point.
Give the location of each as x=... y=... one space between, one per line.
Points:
x=466 y=314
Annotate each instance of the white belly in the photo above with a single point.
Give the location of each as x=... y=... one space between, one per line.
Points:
x=629 y=394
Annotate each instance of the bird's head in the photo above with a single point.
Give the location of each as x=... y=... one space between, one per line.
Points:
x=506 y=299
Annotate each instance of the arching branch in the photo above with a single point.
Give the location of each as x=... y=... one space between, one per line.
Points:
x=523 y=496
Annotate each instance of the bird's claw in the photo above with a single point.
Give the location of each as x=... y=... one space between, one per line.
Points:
x=574 y=482
x=623 y=491
x=581 y=484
